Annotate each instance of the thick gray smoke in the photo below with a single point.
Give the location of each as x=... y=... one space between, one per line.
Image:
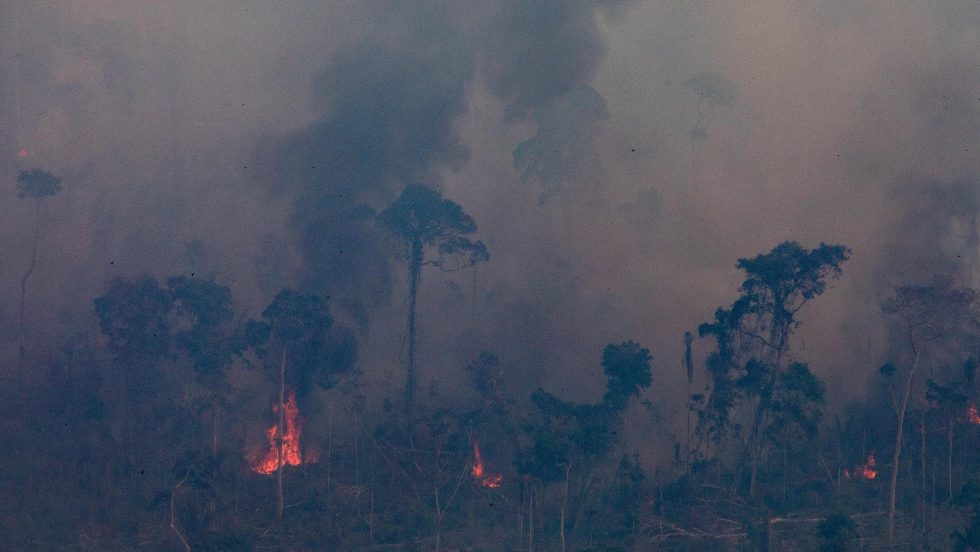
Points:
x=389 y=119
x=618 y=157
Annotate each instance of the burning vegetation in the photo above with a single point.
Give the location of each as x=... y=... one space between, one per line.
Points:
x=480 y=475
x=285 y=451
x=863 y=471
x=570 y=472
x=867 y=470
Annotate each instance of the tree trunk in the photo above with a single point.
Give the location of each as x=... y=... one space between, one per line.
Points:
x=687 y=432
x=173 y=515
x=949 y=458
x=438 y=521
x=281 y=505
x=214 y=425
x=757 y=434
x=530 y=521
x=564 y=507
x=330 y=460
x=898 y=447
x=520 y=517
x=414 y=275
x=23 y=289
x=922 y=462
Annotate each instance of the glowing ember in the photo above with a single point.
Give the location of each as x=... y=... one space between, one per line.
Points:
x=971 y=414
x=269 y=462
x=868 y=470
x=491 y=481
x=23 y=153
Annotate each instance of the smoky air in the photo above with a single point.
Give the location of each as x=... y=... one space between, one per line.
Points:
x=504 y=275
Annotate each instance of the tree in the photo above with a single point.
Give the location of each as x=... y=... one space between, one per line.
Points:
x=35 y=184
x=432 y=231
x=925 y=313
x=135 y=319
x=207 y=335
x=950 y=404
x=627 y=369
x=574 y=438
x=753 y=336
x=296 y=327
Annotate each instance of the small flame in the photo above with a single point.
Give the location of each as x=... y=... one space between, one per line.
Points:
x=971 y=414
x=23 y=153
x=490 y=481
x=269 y=462
x=868 y=470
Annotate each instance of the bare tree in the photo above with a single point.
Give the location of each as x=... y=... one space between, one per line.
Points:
x=926 y=314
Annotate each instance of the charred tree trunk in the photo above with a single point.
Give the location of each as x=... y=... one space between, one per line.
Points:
x=414 y=275
x=893 y=488
x=281 y=504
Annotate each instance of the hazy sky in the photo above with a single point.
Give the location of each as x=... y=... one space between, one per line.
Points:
x=618 y=156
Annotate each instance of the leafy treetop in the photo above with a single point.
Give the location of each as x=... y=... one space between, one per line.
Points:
x=37 y=183
x=422 y=217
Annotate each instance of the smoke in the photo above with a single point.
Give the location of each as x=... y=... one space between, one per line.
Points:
x=617 y=156
x=541 y=60
x=388 y=119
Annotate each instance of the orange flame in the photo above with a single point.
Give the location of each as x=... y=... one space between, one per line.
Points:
x=971 y=414
x=868 y=470
x=23 y=153
x=269 y=462
x=490 y=481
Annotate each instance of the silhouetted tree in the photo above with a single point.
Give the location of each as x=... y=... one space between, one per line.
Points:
x=135 y=319
x=423 y=221
x=207 y=335
x=753 y=336
x=627 y=369
x=35 y=184
x=574 y=438
x=295 y=329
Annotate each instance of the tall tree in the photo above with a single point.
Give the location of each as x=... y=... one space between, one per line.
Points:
x=135 y=319
x=206 y=334
x=432 y=231
x=926 y=314
x=753 y=336
x=294 y=340
x=35 y=184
